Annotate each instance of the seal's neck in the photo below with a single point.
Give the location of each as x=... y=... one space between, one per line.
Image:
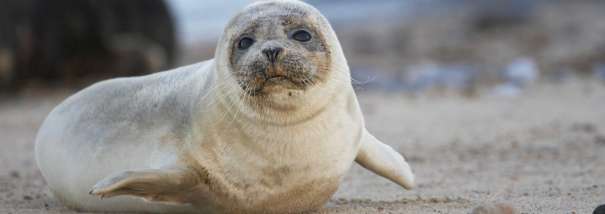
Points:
x=271 y=110
x=276 y=127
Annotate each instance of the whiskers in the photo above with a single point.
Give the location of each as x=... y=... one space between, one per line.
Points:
x=246 y=93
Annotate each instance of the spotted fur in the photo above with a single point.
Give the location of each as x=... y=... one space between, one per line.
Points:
x=194 y=139
x=300 y=64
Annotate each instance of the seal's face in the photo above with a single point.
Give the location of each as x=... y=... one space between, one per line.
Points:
x=278 y=47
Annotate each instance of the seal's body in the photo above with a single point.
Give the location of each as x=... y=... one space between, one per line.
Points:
x=271 y=124
x=114 y=126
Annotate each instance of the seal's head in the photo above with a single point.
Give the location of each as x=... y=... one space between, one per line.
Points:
x=280 y=49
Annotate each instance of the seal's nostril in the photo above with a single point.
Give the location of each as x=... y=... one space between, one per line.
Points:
x=272 y=53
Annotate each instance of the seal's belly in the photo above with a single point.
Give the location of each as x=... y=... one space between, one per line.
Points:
x=288 y=180
x=297 y=197
x=281 y=191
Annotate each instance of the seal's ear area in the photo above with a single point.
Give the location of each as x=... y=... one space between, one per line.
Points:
x=384 y=161
x=158 y=185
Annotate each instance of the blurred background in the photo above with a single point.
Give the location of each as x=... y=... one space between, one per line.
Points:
x=397 y=45
x=489 y=101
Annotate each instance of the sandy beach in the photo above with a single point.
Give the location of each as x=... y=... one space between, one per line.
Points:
x=541 y=152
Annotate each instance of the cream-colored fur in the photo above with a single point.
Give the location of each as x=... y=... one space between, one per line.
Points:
x=186 y=141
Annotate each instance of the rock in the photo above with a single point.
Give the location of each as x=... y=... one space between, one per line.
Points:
x=498 y=208
x=6 y=66
x=599 y=71
x=599 y=139
x=584 y=127
x=522 y=72
x=507 y=90
x=459 y=77
x=15 y=174
x=74 y=42
x=600 y=209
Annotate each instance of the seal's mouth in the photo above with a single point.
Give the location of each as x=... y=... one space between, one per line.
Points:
x=275 y=83
x=264 y=77
x=277 y=79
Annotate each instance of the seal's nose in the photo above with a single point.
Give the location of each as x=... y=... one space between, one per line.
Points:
x=272 y=53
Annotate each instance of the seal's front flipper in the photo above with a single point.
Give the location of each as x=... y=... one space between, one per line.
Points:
x=160 y=185
x=384 y=161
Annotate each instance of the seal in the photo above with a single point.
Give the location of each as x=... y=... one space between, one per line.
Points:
x=270 y=125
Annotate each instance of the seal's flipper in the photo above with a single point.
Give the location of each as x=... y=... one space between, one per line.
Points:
x=159 y=185
x=384 y=161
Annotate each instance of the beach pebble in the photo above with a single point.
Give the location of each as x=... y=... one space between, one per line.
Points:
x=498 y=208
x=600 y=209
x=522 y=71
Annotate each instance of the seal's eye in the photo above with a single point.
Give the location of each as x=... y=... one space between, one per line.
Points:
x=301 y=36
x=245 y=43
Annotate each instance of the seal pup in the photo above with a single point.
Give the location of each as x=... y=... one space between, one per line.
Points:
x=270 y=125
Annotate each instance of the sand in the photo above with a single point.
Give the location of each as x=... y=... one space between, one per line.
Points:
x=542 y=152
